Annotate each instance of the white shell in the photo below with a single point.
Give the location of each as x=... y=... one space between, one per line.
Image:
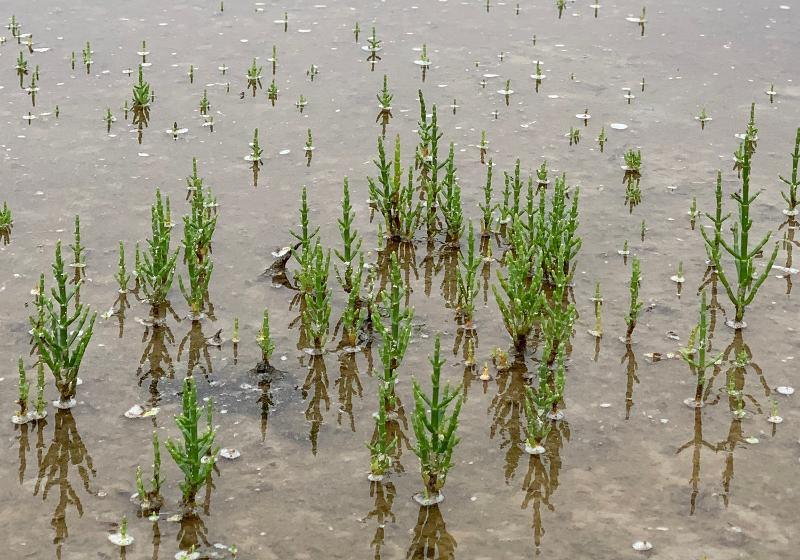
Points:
x=534 y=450
x=119 y=540
x=785 y=390
x=422 y=500
x=642 y=546
x=229 y=453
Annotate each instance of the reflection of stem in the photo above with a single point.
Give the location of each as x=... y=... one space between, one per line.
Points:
x=506 y=409
x=349 y=384
x=192 y=532
x=696 y=443
x=430 y=538
x=197 y=346
x=316 y=380
x=156 y=354
x=541 y=480
x=266 y=402
x=24 y=447
x=631 y=373
x=384 y=495
x=65 y=450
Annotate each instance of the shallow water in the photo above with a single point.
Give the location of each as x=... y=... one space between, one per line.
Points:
x=646 y=467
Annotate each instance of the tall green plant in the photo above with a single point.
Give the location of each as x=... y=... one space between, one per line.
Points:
x=316 y=315
x=466 y=280
x=304 y=251
x=157 y=267
x=395 y=330
x=790 y=196
x=743 y=289
x=521 y=299
x=62 y=334
x=696 y=353
x=195 y=456
x=351 y=241
x=434 y=429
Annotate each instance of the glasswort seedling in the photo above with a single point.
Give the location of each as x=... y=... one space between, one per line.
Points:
x=195 y=456
x=435 y=430
x=63 y=335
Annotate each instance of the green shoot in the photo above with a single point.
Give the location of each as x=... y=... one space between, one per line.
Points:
x=466 y=279
x=196 y=455
x=122 y=277
x=157 y=266
x=747 y=281
x=434 y=429
x=316 y=315
x=395 y=333
x=635 y=305
x=789 y=196
x=63 y=336
x=351 y=241
x=264 y=340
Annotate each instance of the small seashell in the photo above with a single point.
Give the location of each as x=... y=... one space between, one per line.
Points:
x=229 y=453
x=642 y=546
x=785 y=390
x=119 y=540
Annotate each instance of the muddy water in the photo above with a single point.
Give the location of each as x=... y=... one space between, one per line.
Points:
x=645 y=467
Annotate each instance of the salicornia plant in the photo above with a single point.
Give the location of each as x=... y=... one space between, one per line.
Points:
x=199 y=275
x=63 y=334
x=450 y=201
x=122 y=277
x=466 y=280
x=790 y=196
x=265 y=342
x=272 y=92
x=254 y=77
x=635 y=304
x=747 y=281
x=435 y=430
x=521 y=298
x=395 y=330
x=151 y=498
x=384 y=192
x=23 y=390
x=556 y=232
x=205 y=105
x=77 y=248
x=696 y=353
x=537 y=405
x=157 y=266
x=384 y=102
x=6 y=221
x=381 y=446
x=351 y=241
x=487 y=208
x=196 y=455
x=316 y=315
x=354 y=315
x=303 y=252
x=633 y=163
x=141 y=91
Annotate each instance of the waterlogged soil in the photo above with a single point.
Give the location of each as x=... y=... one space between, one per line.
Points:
x=630 y=461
